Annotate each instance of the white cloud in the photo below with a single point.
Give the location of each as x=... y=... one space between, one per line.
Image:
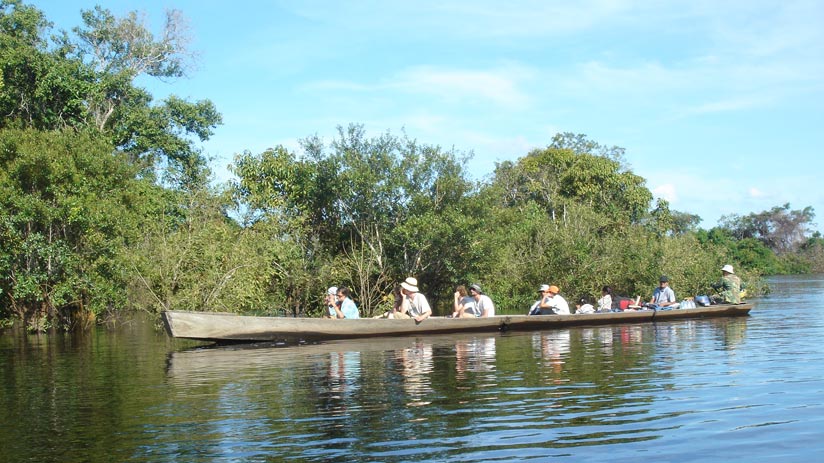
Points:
x=756 y=193
x=666 y=191
x=457 y=84
x=732 y=104
x=482 y=19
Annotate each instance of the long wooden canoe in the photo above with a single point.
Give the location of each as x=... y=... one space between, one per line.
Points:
x=224 y=327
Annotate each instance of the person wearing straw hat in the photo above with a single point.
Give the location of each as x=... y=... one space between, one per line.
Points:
x=415 y=305
x=729 y=287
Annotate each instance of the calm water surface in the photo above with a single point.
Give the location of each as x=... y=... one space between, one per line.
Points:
x=745 y=389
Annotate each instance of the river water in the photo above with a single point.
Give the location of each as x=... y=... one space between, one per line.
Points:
x=742 y=389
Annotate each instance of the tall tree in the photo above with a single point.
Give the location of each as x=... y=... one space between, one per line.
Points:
x=86 y=80
x=781 y=229
x=68 y=208
x=556 y=177
x=386 y=205
x=82 y=147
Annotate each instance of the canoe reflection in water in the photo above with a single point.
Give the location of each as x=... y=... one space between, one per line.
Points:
x=475 y=355
x=416 y=368
x=552 y=346
x=343 y=371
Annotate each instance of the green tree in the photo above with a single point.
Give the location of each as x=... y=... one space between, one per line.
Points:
x=82 y=148
x=40 y=89
x=581 y=144
x=199 y=258
x=86 y=80
x=557 y=177
x=384 y=201
x=781 y=229
x=68 y=206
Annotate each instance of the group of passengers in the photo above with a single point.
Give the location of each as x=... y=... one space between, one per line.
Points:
x=663 y=297
x=409 y=303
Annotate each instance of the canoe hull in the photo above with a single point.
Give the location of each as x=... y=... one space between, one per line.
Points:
x=224 y=327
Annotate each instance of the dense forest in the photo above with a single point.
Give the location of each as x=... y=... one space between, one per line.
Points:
x=108 y=206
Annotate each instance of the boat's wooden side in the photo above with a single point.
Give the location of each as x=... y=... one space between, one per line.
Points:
x=223 y=327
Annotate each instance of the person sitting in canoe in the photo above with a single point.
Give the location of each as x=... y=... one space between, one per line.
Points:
x=543 y=291
x=415 y=305
x=332 y=303
x=536 y=307
x=729 y=287
x=484 y=307
x=347 y=307
x=605 y=303
x=663 y=296
x=551 y=302
x=464 y=304
x=583 y=306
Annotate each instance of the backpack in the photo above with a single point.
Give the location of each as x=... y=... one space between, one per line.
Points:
x=621 y=303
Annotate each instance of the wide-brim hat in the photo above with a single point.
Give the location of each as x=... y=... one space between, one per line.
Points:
x=543 y=288
x=410 y=284
x=727 y=268
x=476 y=287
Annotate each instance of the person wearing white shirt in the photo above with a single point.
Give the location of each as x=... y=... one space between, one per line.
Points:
x=464 y=304
x=484 y=307
x=605 y=303
x=415 y=304
x=553 y=303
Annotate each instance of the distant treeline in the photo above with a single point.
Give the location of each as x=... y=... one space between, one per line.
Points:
x=106 y=203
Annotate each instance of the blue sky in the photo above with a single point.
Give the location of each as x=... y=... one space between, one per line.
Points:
x=719 y=105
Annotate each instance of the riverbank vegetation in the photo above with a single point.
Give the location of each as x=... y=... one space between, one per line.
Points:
x=107 y=205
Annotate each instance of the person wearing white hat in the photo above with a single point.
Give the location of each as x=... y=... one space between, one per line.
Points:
x=415 y=305
x=729 y=287
x=331 y=302
x=551 y=303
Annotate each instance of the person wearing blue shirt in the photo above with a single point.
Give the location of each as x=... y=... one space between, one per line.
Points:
x=347 y=308
x=664 y=296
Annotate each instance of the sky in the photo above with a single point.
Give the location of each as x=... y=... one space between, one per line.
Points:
x=718 y=104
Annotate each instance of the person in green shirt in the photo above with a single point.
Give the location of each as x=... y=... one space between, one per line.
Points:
x=729 y=287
